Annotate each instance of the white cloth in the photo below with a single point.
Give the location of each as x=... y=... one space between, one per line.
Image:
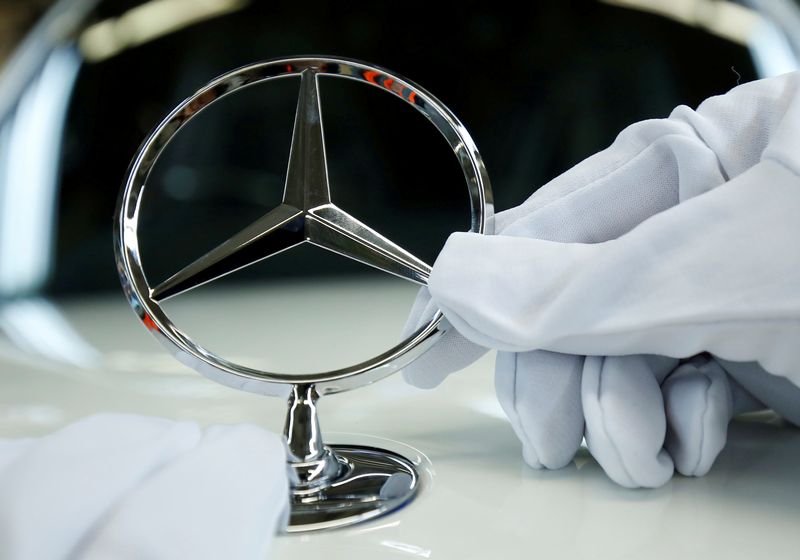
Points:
x=682 y=237
x=124 y=486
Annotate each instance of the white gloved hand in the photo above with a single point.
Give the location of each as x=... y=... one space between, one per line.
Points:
x=682 y=237
x=124 y=486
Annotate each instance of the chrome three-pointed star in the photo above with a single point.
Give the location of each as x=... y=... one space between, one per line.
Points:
x=306 y=215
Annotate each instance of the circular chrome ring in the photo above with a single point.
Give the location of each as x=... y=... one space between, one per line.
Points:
x=187 y=351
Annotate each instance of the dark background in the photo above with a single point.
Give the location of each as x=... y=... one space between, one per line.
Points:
x=539 y=88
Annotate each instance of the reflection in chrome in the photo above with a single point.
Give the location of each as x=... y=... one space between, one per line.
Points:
x=331 y=486
x=372 y=482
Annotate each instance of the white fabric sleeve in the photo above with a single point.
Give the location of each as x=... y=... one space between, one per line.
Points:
x=127 y=486
x=719 y=273
x=689 y=228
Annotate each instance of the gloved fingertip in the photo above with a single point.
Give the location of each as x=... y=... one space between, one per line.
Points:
x=531 y=457
x=422 y=311
x=655 y=477
x=450 y=354
x=540 y=394
x=422 y=377
x=625 y=423
x=698 y=406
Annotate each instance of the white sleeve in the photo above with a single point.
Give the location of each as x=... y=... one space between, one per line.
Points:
x=681 y=237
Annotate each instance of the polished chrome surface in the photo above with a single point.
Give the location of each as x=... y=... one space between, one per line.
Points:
x=330 y=487
x=311 y=463
x=306 y=215
x=338 y=485
x=373 y=482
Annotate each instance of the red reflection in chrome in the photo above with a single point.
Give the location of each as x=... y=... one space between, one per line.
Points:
x=370 y=76
x=149 y=323
x=378 y=79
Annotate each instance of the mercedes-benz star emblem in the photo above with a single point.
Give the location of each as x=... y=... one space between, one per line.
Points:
x=323 y=495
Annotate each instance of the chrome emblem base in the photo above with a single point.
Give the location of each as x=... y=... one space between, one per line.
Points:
x=374 y=482
x=330 y=486
x=342 y=484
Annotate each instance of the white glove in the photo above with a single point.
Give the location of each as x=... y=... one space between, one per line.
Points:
x=682 y=237
x=124 y=486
